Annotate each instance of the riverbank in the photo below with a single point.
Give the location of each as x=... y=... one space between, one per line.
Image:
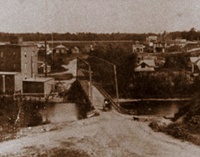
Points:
x=185 y=125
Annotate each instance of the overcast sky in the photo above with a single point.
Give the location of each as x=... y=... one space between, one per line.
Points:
x=100 y=16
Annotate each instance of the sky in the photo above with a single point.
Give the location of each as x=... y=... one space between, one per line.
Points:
x=99 y=16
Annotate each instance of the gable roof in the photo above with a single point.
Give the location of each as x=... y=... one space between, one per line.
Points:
x=194 y=60
x=148 y=62
x=61 y=47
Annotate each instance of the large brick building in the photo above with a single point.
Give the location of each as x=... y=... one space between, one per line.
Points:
x=19 y=58
x=18 y=65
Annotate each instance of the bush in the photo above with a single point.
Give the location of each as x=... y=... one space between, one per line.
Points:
x=156 y=127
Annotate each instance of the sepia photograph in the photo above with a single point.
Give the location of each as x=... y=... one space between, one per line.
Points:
x=99 y=78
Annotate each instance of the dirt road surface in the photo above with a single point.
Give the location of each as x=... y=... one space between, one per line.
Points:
x=108 y=135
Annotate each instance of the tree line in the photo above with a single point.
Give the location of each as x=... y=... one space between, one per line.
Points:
x=73 y=36
x=191 y=35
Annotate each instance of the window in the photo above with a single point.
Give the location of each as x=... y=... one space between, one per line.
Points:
x=8 y=79
x=25 y=67
x=33 y=53
x=24 y=54
x=1 y=54
x=14 y=66
x=2 y=66
x=143 y=65
x=14 y=54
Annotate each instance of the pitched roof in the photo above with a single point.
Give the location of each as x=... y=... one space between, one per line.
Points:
x=194 y=59
x=8 y=73
x=38 y=79
x=60 y=47
x=194 y=49
x=149 y=62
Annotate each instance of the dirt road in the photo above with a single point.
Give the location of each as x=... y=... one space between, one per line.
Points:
x=108 y=135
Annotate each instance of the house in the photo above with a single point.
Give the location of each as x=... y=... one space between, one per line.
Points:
x=180 y=42
x=145 y=65
x=75 y=50
x=159 y=47
x=154 y=45
x=59 y=52
x=195 y=65
x=138 y=48
x=152 y=38
x=42 y=67
x=42 y=52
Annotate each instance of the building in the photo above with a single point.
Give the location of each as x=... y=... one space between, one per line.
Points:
x=195 y=65
x=180 y=42
x=59 y=53
x=11 y=82
x=75 y=50
x=145 y=65
x=19 y=58
x=42 y=86
x=18 y=65
x=138 y=48
x=154 y=45
x=151 y=40
x=159 y=47
x=42 y=67
x=42 y=54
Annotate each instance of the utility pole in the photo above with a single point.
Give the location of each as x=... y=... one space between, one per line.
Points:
x=90 y=83
x=52 y=41
x=116 y=83
x=45 y=57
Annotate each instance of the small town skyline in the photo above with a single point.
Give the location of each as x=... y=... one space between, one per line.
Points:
x=110 y=16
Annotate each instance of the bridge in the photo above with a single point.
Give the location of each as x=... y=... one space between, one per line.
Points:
x=91 y=88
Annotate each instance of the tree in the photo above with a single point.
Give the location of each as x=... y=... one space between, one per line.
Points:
x=177 y=61
x=192 y=35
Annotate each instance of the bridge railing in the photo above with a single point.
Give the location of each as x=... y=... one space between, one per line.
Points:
x=105 y=75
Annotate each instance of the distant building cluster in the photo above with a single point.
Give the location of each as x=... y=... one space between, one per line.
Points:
x=154 y=45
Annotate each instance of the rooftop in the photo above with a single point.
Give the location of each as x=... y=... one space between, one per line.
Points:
x=18 y=45
x=194 y=59
x=60 y=47
x=149 y=62
x=8 y=73
x=38 y=79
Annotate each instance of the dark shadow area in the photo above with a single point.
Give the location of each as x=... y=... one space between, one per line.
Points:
x=153 y=107
x=77 y=95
